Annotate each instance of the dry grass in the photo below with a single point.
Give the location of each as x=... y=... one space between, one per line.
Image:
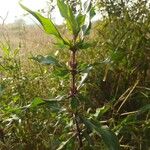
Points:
x=31 y=39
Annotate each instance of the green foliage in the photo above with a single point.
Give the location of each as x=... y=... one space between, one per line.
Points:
x=47 y=24
x=74 y=25
x=67 y=13
x=112 y=80
x=47 y=60
x=108 y=136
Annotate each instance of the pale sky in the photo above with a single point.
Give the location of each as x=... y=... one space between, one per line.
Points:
x=16 y=12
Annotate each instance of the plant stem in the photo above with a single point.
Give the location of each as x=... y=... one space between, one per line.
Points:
x=73 y=65
x=78 y=130
x=73 y=93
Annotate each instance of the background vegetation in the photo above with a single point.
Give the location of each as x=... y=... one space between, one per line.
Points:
x=116 y=92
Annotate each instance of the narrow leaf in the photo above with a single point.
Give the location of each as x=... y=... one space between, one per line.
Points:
x=67 y=13
x=80 y=19
x=36 y=102
x=63 y=8
x=87 y=5
x=101 y=111
x=53 y=104
x=46 y=60
x=47 y=24
x=64 y=144
x=84 y=77
x=107 y=135
x=89 y=15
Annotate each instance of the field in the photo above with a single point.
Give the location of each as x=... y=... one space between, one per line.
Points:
x=113 y=78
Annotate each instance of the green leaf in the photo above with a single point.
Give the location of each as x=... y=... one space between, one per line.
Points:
x=100 y=111
x=88 y=138
x=47 y=24
x=89 y=15
x=63 y=8
x=64 y=144
x=74 y=103
x=36 y=102
x=50 y=103
x=13 y=110
x=106 y=134
x=80 y=19
x=60 y=73
x=67 y=13
x=118 y=56
x=87 y=5
x=46 y=60
x=84 y=77
x=5 y=48
x=92 y=12
x=56 y=99
x=85 y=45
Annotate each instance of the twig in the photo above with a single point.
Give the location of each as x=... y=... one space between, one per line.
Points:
x=4 y=19
x=129 y=113
x=136 y=83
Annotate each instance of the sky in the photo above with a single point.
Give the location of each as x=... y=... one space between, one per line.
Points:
x=16 y=12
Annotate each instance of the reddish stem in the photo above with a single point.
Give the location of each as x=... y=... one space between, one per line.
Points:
x=73 y=92
x=73 y=65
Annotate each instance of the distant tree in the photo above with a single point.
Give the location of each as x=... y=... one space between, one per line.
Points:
x=19 y=22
